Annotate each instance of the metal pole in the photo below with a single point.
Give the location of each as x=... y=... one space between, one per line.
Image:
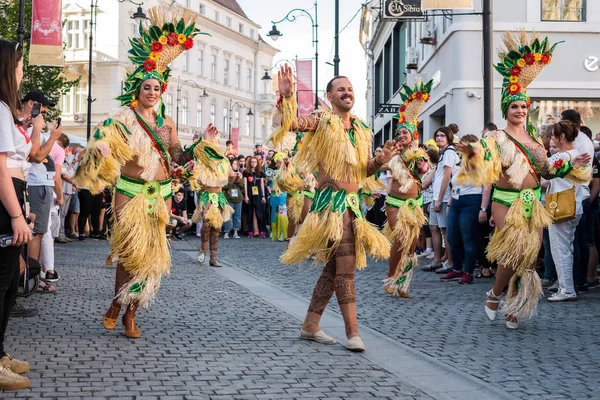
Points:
x=21 y=25
x=91 y=44
x=316 y=40
x=177 y=107
x=230 y=111
x=336 y=57
x=488 y=46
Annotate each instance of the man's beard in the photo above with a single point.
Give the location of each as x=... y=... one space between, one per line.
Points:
x=341 y=104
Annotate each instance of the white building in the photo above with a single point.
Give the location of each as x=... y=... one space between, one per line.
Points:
x=448 y=49
x=227 y=66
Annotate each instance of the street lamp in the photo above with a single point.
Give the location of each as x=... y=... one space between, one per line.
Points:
x=275 y=34
x=231 y=107
x=179 y=86
x=267 y=77
x=138 y=16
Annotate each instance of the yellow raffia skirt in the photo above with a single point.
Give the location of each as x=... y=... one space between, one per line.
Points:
x=409 y=221
x=323 y=227
x=214 y=207
x=516 y=246
x=138 y=239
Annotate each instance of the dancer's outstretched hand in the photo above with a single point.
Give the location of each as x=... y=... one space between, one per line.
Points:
x=285 y=81
x=211 y=132
x=387 y=152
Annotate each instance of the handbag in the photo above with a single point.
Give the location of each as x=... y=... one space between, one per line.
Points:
x=561 y=205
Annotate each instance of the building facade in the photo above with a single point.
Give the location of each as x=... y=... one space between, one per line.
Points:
x=449 y=49
x=217 y=81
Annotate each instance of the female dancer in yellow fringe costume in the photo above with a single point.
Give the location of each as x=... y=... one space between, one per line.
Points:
x=404 y=204
x=133 y=148
x=515 y=160
x=212 y=173
x=334 y=232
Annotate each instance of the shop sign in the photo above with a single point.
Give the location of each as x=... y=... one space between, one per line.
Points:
x=388 y=109
x=402 y=9
x=592 y=63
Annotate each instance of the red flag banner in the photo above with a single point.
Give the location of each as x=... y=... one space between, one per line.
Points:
x=46 y=33
x=235 y=137
x=306 y=96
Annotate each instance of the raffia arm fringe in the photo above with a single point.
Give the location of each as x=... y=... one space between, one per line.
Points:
x=369 y=241
x=198 y=213
x=295 y=205
x=524 y=293
x=404 y=274
x=209 y=172
x=289 y=182
x=103 y=157
x=472 y=169
x=516 y=246
x=319 y=236
x=138 y=240
x=288 y=110
x=580 y=176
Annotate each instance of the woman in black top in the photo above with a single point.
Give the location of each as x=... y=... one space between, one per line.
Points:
x=254 y=196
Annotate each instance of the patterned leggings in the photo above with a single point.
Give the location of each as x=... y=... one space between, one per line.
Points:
x=338 y=277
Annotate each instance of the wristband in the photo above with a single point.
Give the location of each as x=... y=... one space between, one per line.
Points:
x=20 y=215
x=483 y=209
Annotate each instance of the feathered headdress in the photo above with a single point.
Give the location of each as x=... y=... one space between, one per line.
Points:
x=522 y=59
x=414 y=99
x=169 y=33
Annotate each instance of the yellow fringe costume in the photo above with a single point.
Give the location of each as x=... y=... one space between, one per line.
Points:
x=137 y=240
x=343 y=156
x=517 y=245
x=404 y=169
x=213 y=171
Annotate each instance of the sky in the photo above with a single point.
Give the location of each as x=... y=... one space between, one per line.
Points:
x=296 y=38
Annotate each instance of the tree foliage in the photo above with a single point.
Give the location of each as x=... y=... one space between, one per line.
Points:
x=50 y=80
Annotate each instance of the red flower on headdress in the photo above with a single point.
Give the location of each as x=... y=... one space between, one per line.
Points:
x=149 y=65
x=189 y=43
x=546 y=58
x=529 y=102
x=416 y=135
x=157 y=47
x=514 y=88
x=403 y=108
x=515 y=70
x=164 y=88
x=172 y=39
x=419 y=95
x=402 y=119
x=529 y=59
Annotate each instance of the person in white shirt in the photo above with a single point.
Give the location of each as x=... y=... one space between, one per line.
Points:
x=438 y=214
x=584 y=237
x=15 y=146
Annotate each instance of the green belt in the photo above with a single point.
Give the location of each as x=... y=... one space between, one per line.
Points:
x=397 y=202
x=302 y=193
x=151 y=190
x=509 y=196
x=217 y=199
x=339 y=201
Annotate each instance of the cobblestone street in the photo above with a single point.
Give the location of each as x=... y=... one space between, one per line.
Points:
x=208 y=337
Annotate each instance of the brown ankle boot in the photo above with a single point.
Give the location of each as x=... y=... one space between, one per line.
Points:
x=131 y=331
x=109 y=320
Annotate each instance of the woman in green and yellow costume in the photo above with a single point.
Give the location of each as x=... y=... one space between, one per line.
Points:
x=334 y=232
x=404 y=204
x=213 y=171
x=514 y=160
x=134 y=147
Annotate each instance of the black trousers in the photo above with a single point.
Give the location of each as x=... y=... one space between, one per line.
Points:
x=89 y=205
x=9 y=265
x=256 y=207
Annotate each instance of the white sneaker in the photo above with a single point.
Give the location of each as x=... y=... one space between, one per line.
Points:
x=560 y=296
x=236 y=236
x=425 y=254
x=226 y=236
x=430 y=256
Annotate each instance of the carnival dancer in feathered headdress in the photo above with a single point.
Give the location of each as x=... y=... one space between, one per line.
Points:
x=133 y=148
x=515 y=161
x=334 y=232
x=404 y=204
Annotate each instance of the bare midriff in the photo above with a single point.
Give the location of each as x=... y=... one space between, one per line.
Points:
x=210 y=189
x=325 y=180
x=413 y=193
x=530 y=182
x=132 y=170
